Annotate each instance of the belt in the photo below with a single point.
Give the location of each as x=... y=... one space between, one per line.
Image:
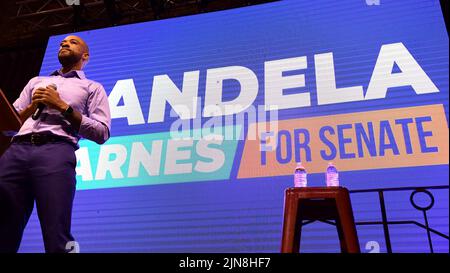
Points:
x=40 y=139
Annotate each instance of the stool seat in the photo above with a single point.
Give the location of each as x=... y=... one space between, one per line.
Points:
x=318 y=203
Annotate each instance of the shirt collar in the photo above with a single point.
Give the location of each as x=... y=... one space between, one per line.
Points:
x=73 y=73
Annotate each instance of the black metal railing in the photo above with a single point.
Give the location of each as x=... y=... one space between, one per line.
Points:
x=385 y=222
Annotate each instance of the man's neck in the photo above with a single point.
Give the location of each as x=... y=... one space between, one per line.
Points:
x=67 y=69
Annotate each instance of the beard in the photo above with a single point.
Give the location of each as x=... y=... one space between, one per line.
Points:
x=67 y=60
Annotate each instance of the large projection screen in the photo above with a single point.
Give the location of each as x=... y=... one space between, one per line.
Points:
x=190 y=167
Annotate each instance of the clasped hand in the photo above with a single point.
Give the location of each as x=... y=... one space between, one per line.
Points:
x=48 y=96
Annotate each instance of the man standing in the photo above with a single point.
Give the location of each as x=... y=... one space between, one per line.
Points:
x=40 y=163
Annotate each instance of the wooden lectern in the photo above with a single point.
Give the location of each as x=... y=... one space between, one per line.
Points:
x=9 y=121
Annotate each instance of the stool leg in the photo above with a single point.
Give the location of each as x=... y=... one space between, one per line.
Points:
x=341 y=235
x=290 y=237
x=347 y=224
x=297 y=233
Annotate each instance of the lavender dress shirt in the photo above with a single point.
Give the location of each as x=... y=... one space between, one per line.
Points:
x=85 y=96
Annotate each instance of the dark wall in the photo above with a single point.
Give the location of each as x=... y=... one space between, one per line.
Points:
x=18 y=65
x=444 y=5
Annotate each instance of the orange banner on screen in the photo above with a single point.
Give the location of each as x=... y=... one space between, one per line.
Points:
x=402 y=137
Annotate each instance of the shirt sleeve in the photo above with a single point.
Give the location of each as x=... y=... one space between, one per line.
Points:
x=24 y=98
x=96 y=123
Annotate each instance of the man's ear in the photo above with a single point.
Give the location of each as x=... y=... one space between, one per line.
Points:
x=85 y=57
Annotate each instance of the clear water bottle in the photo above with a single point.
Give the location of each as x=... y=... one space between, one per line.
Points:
x=300 y=176
x=332 y=176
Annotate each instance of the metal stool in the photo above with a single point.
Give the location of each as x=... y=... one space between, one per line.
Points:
x=321 y=204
